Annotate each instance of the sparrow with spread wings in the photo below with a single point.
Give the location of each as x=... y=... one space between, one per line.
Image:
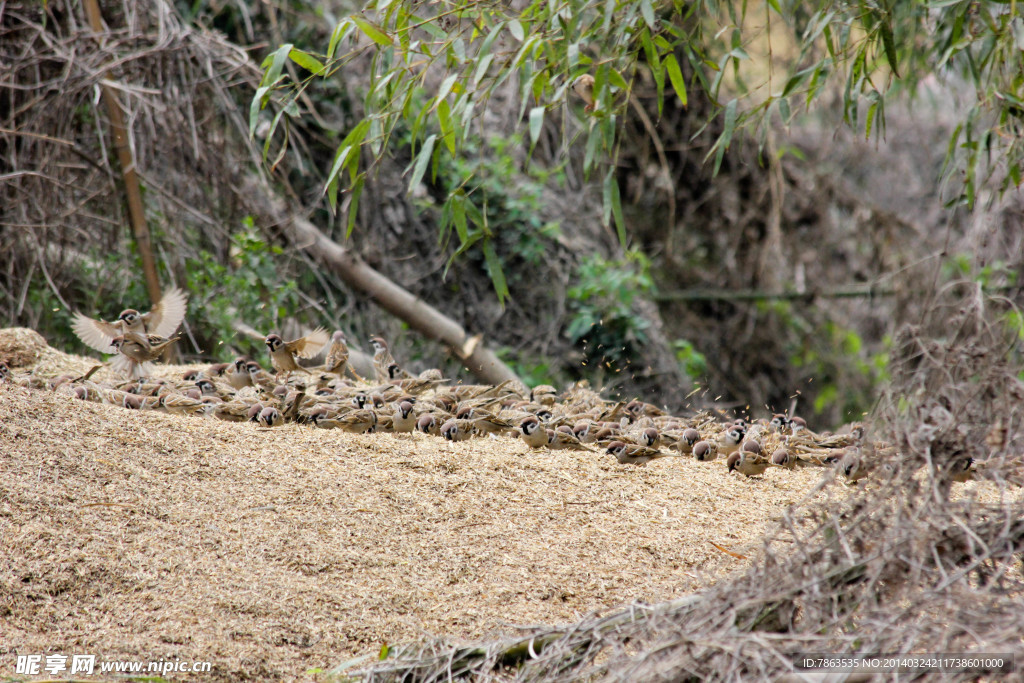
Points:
x=162 y=321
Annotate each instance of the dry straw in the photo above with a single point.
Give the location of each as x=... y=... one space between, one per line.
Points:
x=908 y=563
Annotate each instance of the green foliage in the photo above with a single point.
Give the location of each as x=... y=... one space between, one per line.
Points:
x=505 y=202
x=602 y=320
x=533 y=371
x=691 y=361
x=871 y=49
x=247 y=288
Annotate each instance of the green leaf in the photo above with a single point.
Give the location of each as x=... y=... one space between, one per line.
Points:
x=444 y=118
x=340 y=33
x=446 y=87
x=353 y=205
x=536 y=122
x=276 y=65
x=613 y=205
x=516 y=29
x=723 y=141
x=647 y=10
x=372 y=31
x=675 y=75
x=890 y=46
x=306 y=61
x=422 y=159
x=497 y=275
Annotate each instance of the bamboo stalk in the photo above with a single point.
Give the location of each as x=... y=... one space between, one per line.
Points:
x=133 y=195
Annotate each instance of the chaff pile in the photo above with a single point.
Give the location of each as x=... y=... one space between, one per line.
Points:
x=905 y=566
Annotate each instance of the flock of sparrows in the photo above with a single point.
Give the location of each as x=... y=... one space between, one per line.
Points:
x=333 y=396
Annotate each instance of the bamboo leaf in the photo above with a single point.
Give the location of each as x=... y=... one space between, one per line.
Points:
x=647 y=11
x=495 y=271
x=340 y=33
x=889 y=43
x=444 y=118
x=353 y=205
x=372 y=31
x=276 y=65
x=536 y=122
x=516 y=29
x=306 y=61
x=422 y=159
x=675 y=75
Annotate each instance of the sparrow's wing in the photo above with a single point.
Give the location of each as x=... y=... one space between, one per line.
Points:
x=96 y=334
x=126 y=367
x=337 y=355
x=310 y=345
x=168 y=313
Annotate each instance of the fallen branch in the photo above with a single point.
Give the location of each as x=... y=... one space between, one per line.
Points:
x=420 y=315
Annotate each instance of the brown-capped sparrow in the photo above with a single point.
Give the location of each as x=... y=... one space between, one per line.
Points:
x=457 y=430
x=632 y=454
x=162 y=321
x=534 y=434
x=747 y=463
x=283 y=354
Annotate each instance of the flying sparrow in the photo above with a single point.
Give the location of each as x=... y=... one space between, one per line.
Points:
x=162 y=321
x=747 y=463
x=282 y=353
x=138 y=351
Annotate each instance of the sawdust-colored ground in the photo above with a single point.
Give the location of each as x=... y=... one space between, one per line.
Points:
x=271 y=553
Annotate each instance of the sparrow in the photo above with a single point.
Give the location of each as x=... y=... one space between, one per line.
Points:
x=178 y=404
x=752 y=446
x=563 y=439
x=584 y=87
x=238 y=375
x=382 y=359
x=356 y=422
x=852 y=466
x=282 y=353
x=138 y=351
x=162 y=321
x=428 y=425
x=779 y=422
x=747 y=463
x=729 y=440
x=544 y=394
x=650 y=438
x=403 y=420
x=337 y=357
x=782 y=458
x=630 y=454
x=534 y=434
x=270 y=417
x=689 y=439
x=457 y=430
